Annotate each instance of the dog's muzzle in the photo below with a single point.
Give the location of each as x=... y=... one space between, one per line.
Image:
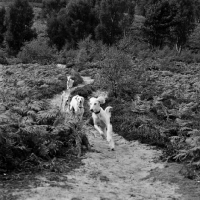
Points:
x=95 y=112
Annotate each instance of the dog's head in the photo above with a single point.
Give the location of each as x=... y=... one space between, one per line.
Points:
x=70 y=81
x=68 y=78
x=80 y=101
x=95 y=104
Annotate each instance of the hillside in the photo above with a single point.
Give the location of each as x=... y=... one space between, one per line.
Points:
x=151 y=81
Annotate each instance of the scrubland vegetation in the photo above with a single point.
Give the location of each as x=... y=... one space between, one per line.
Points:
x=144 y=53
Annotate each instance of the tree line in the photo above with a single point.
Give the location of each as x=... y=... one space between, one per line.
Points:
x=105 y=20
x=167 y=22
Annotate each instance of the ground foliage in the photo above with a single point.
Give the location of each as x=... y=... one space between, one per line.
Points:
x=157 y=103
x=32 y=132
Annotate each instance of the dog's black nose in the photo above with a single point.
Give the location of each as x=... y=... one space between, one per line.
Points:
x=91 y=110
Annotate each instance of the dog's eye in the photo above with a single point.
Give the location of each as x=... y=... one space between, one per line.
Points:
x=95 y=104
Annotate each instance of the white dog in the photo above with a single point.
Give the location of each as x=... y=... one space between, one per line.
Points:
x=64 y=102
x=101 y=119
x=70 y=82
x=77 y=106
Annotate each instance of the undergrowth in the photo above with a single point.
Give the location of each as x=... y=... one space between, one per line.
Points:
x=157 y=103
x=32 y=133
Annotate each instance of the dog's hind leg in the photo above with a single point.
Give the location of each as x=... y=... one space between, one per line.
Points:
x=104 y=133
x=109 y=137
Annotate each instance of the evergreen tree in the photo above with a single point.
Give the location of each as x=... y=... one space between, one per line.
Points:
x=115 y=17
x=74 y=23
x=169 y=20
x=157 y=24
x=52 y=7
x=19 y=20
x=2 y=24
x=183 y=23
x=56 y=32
x=197 y=10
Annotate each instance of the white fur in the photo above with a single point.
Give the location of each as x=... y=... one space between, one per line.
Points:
x=77 y=103
x=70 y=82
x=101 y=119
x=64 y=101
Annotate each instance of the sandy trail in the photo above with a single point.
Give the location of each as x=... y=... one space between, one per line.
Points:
x=109 y=175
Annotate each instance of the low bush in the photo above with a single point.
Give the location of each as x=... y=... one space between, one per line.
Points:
x=90 y=51
x=76 y=77
x=37 y=51
x=84 y=91
x=70 y=56
x=34 y=139
x=89 y=72
x=3 y=60
x=31 y=131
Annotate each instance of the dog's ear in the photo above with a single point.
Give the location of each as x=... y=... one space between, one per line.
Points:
x=76 y=97
x=101 y=100
x=83 y=99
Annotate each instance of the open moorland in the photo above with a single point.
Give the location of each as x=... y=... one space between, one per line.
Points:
x=148 y=73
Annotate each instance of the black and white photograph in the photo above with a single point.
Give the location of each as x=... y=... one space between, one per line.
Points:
x=99 y=99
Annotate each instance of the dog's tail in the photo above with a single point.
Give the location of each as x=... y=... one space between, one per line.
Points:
x=108 y=110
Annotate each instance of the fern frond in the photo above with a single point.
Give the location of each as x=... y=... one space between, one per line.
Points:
x=181 y=155
x=23 y=92
x=44 y=151
x=32 y=114
x=62 y=130
x=35 y=129
x=196 y=164
x=4 y=119
x=20 y=110
x=39 y=105
x=51 y=81
x=47 y=116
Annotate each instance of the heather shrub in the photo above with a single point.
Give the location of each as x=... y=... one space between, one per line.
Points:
x=76 y=77
x=84 y=91
x=32 y=131
x=3 y=59
x=114 y=70
x=70 y=56
x=37 y=51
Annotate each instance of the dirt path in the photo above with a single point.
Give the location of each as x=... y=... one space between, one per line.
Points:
x=109 y=175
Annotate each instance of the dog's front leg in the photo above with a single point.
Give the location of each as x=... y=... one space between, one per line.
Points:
x=80 y=117
x=61 y=104
x=100 y=131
